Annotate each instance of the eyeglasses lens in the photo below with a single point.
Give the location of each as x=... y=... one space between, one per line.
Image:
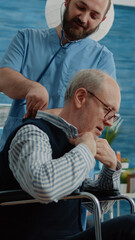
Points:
x=111 y=115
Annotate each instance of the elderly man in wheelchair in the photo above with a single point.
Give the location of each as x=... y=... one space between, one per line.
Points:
x=49 y=157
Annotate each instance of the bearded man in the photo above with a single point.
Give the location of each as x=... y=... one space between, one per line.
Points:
x=39 y=63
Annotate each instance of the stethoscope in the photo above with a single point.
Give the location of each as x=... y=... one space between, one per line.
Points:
x=61 y=47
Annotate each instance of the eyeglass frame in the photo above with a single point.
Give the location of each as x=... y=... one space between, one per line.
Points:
x=115 y=117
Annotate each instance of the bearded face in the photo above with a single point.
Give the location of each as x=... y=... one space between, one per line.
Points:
x=74 y=28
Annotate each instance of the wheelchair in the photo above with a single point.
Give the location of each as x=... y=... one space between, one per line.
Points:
x=15 y=197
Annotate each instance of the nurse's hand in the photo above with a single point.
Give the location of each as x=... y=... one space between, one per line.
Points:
x=37 y=98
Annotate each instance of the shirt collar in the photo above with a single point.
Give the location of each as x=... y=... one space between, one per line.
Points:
x=70 y=130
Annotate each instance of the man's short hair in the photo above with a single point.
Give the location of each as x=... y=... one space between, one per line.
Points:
x=90 y=79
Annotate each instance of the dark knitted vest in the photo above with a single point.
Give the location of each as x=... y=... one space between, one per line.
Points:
x=38 y=221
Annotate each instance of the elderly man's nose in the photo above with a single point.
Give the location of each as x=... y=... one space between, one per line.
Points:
x=108 y=122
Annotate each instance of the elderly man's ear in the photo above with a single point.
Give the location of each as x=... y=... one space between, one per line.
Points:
x=80 y=97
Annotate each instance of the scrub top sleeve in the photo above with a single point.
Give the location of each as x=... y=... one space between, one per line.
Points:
x=107 y=64
x=14 y=55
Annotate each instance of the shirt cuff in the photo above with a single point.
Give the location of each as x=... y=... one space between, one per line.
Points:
x=111 y=176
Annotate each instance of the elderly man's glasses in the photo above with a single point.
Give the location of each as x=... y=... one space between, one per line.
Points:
x=110 y=113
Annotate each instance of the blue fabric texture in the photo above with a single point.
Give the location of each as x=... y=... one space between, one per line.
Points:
x=29 y=53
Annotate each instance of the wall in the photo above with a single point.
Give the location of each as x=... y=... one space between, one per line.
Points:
x=121 y=41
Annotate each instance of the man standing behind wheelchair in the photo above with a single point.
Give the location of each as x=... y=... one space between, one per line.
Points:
x=50 y=156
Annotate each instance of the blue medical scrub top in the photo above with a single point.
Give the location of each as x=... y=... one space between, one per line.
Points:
x=30 y=52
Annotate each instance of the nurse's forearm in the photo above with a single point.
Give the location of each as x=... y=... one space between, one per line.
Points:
x=14 y=84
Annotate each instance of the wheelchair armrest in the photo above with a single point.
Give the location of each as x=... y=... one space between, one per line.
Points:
x=12 y=196
x=18 y=195
x=102 y=193
x=111 y=195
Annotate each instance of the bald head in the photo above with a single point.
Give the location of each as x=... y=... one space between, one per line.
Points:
x=97 y=82
x=91 y=79
x=110 y=92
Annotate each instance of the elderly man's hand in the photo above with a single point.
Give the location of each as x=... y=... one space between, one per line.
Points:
x=105 y=154
x=86 y=138
x=36 y=99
